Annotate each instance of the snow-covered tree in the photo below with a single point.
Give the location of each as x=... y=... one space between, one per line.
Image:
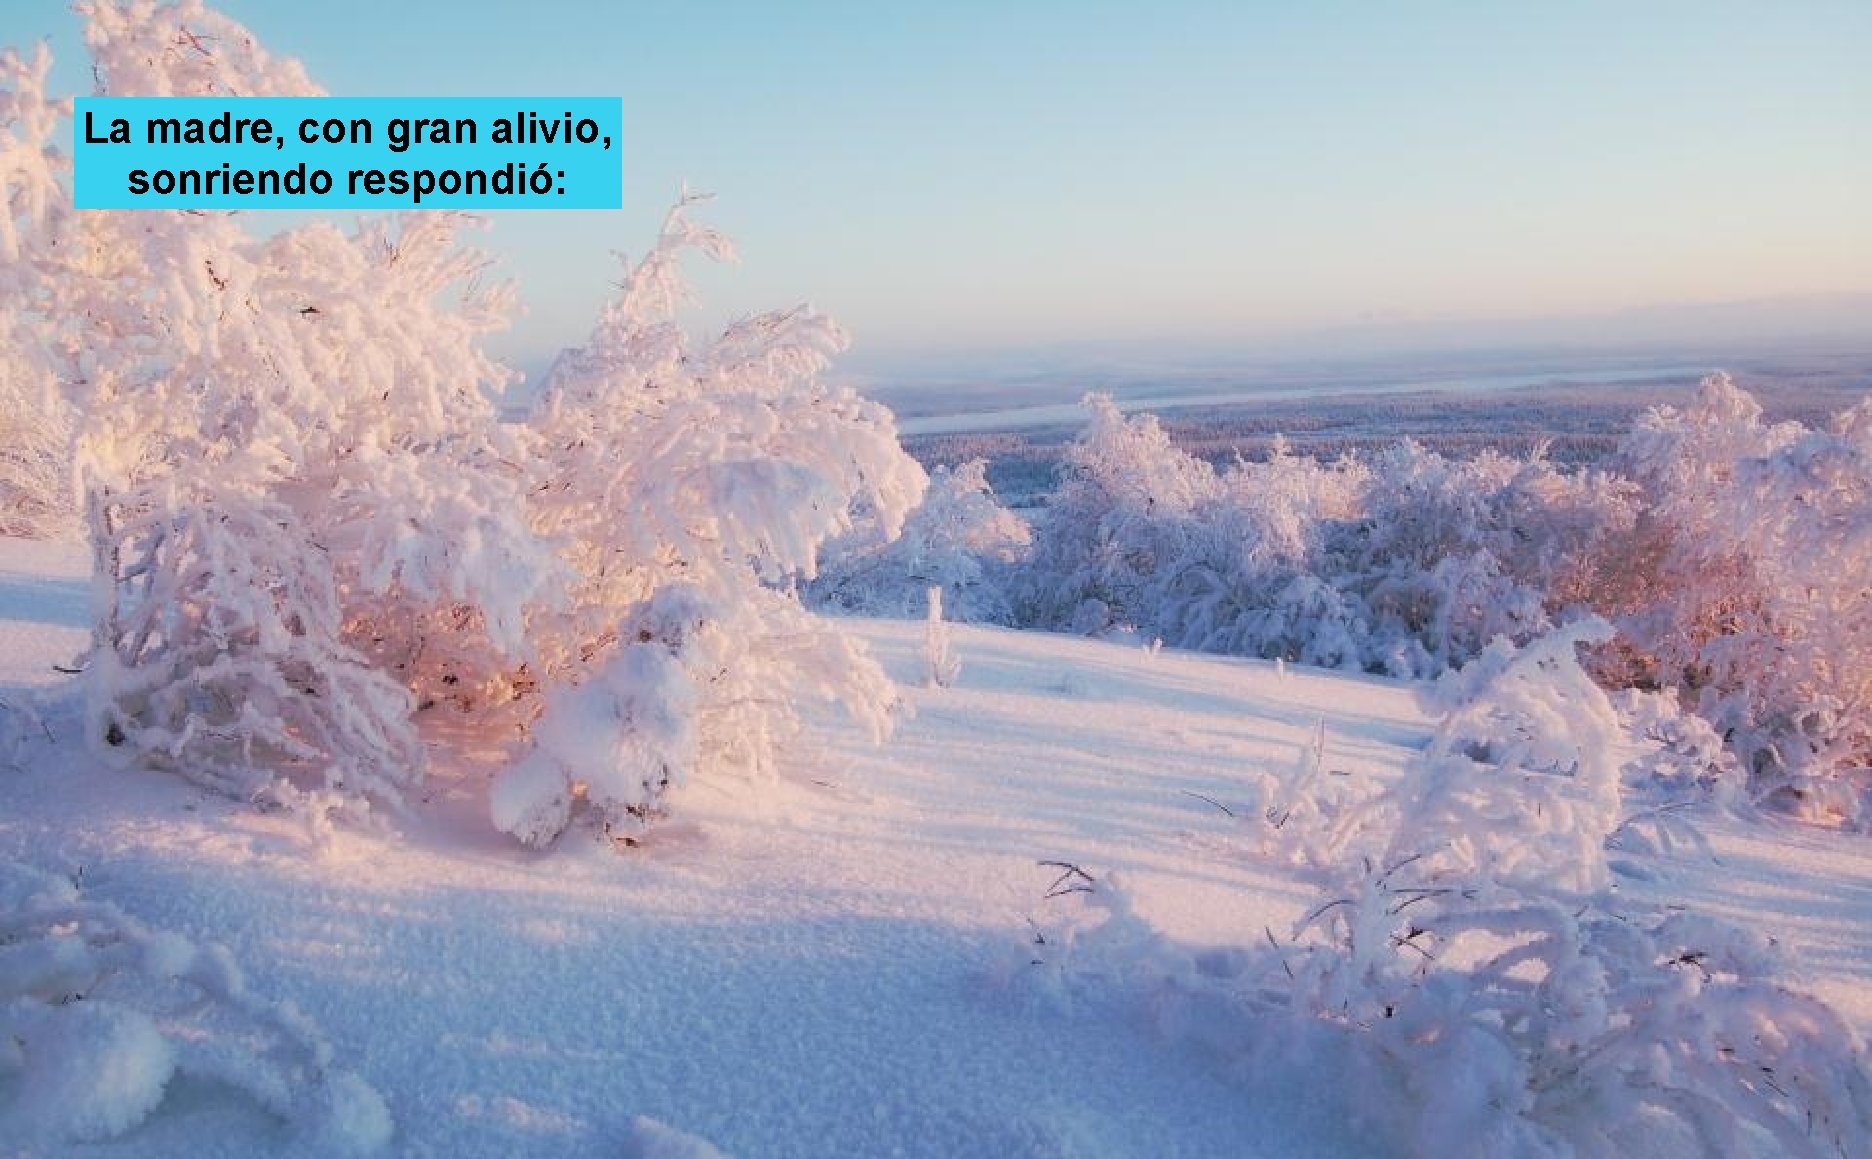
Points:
x=959 y=539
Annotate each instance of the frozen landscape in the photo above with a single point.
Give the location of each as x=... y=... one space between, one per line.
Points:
x=846 y=965
x=701 y=748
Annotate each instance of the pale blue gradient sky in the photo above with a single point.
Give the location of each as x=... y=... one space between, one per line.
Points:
x=973 y=174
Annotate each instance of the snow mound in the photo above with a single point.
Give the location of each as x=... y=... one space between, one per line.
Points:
x=88 y=1070
x=98 y=1014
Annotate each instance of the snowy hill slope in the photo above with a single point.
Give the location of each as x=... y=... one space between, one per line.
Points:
x=837 y=965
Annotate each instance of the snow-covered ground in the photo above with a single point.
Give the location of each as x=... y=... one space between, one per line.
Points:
x=837 y=965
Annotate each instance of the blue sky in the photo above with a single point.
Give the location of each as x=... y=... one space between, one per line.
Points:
x=965 y=175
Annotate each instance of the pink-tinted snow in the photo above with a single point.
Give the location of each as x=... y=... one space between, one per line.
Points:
x=828 y=966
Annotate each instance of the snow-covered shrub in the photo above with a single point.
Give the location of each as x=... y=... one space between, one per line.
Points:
x=691 y=691
x=35 y=418
x=1747 y=590
x=1489 y=992
x=312 y=530
x=1519 y=785
x=959 y=538
x=298 y=500
x=1301 y=815
x=1446 y=555
x=225 y=659
x=35 y=491
x=1506 y=1022
x=334 y=447
x=1140 y=534
x=1466 y=1021
x=1418 y=562
x=1512 y=1000
x=99 y=1014
x=1251 y=582
x=615 y=743
x=942 y=665
x=1686 y=755
x=1408 y=564
x=1521 y=780
x=36 y=428
x=1122 y=517
x=686 y=485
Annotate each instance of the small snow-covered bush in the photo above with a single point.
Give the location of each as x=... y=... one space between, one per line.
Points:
x=942 y=666
x=1489 y=992
x=1521 y=782
x=35 y=492
x=617 y=743
x=1304 y=815
x=1507 y=1022
x=959 y=538
x=1686 y=757
x=99 y=1014
x=692 y=692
